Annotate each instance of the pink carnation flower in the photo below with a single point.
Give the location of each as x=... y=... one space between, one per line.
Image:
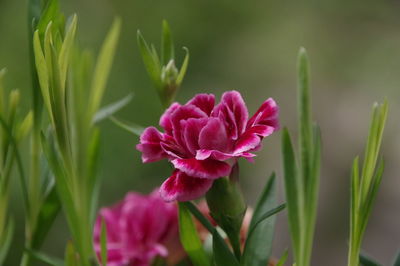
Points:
x=139 y=228
x=203 y=141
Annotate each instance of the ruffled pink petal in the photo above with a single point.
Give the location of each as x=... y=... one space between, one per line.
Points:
x=165 y=119
x=203 y=101
x=233 y=111
x=267 y=114
x=179 y=186
x=209 y=168
x=150 y=145
x=214 y=136
x=181 y=114
x=191 y=133
x=252 y=138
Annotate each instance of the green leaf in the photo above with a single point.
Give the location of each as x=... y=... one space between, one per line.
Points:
x=311 y=193
x=379 y=115
x=57 y=96
x=220 y=244
x=48 y=14
x=150 y=61
x=70 y=256
x=261 y=232
x=50 y=260
x=364 y=189
x=167 y=44
x=222 y=255
x=24 y=127
x=199 y=216
x=259 y=240
x=103 y=67
x=111 y=109
x=6 y=240
x=183 y=69
x=42 y=71
x=20 y=167
x=283 y=258
x=366 y=260
x=93 y=178
x=265 y=216
x=65 y=51
x=292 y=190
x=354 y=200
x=48 y=212
x=62 y=184
x=190 y=239
x=128 y=126
x=103 y=240
x=366 y=210
x=305 y=124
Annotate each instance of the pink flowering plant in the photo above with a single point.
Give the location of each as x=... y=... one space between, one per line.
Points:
x=198 y=214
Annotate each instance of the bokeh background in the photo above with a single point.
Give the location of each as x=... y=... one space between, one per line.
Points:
x=251 y=46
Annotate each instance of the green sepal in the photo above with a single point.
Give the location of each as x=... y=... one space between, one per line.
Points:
x=227 y=207
x=49 y=210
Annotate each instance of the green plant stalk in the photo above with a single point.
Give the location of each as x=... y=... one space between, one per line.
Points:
x=34 y=186
x=74 y=157
x=364 y=188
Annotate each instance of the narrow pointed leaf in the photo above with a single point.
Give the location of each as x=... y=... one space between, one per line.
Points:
x=167 y=44
x=71 y=258
x=48 y=14
x=222 y=254
x=48 y=260
x=6 y=240
x=48 y=213
x=111 y=109
x=62 y=185
x=103 y=66
x=305 y=124
x=264 y=216
x=283 y=258
x=190 y=239
x=261 y=232
x=20 y=167
x=25 y=127
x=183 y=69
x=41 y=68
x=93 y=177
x=65 y=51
x=291 y=187
x=150 y=62
x=219 y=244
x=128 y=126
x=199 y=216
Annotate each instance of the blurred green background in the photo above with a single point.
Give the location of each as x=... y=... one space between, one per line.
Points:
x=251 y=46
